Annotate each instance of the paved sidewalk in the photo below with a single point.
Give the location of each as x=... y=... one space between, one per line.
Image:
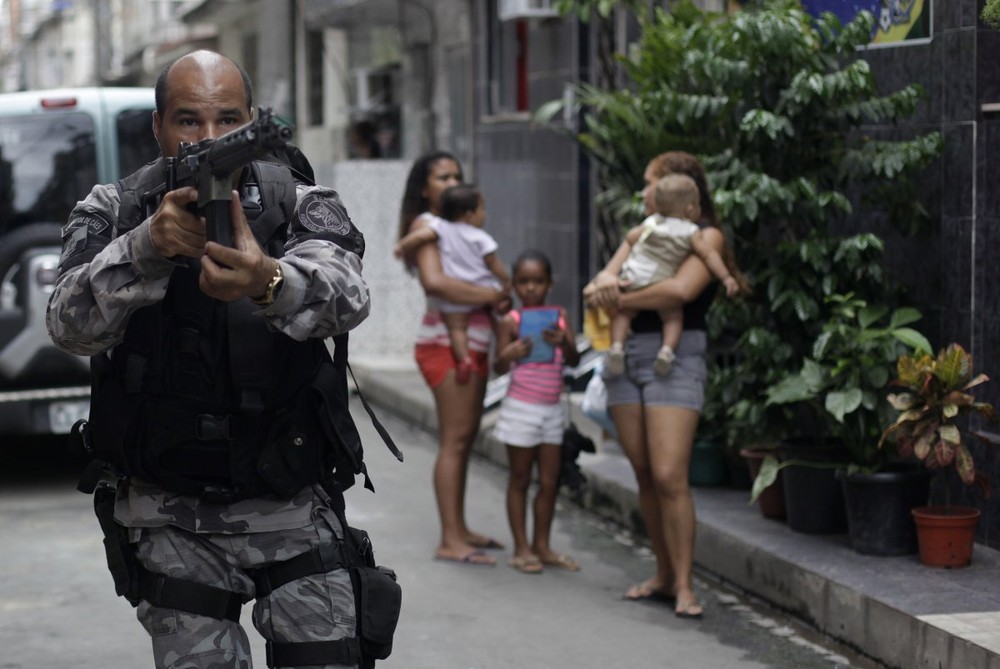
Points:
x=895 y=610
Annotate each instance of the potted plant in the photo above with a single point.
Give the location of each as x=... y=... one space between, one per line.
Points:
x=837 y=394
x=934 y=403
x=708 y=465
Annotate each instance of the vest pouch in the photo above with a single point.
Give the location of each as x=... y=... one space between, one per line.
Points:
x=112 y=415
x=330 y=388
x=186 y=451
x=290 y=460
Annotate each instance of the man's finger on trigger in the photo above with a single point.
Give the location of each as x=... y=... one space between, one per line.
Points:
x=183 y=195
x=236 y=212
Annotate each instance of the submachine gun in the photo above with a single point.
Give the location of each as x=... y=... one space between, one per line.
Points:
x=209 y=165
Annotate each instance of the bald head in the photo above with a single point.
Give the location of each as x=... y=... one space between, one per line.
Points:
x=202 y=95
x=203 y=65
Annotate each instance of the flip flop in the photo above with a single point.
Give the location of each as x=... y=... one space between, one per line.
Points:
x=474 y=558
x=562 y=562
x=691 y=610
x=642 y=592
x=526 y=565
x=487 y=543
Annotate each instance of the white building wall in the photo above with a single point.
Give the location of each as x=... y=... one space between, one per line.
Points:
x=372 y=191
x=77 y=36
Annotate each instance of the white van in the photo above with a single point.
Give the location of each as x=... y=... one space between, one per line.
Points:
x=55 y=145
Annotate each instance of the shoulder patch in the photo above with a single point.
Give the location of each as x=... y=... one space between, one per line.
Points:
x=323 y=214
x=94 y=225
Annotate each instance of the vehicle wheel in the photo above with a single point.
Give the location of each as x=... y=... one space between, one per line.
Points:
x=19 y=240
x=27 y=356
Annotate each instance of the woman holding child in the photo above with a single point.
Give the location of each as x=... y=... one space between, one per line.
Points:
x=459 y=405
x=656 y=415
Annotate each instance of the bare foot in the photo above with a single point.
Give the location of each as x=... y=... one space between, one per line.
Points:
x=526 y=564
x=469 y=555
x=687 y=605
x=483 y=541
x=562 y=561
x=650 y=590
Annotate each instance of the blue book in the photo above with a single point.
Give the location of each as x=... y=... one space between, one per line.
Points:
x=534 y=321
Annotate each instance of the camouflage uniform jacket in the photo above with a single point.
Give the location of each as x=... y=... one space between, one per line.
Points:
x=105 y=277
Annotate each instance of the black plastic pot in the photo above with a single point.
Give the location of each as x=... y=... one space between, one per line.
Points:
x=878 y=508
x=814 y=499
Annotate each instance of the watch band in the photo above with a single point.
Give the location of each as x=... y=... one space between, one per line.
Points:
x=272 y=287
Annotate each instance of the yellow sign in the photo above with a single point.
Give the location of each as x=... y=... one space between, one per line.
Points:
x=902 y=21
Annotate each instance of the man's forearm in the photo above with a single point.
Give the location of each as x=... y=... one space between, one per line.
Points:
x=91 y=303
x=323 y=293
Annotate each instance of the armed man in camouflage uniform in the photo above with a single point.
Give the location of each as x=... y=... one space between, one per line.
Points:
x=125 y=296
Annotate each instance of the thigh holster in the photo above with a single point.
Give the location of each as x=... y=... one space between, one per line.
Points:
x=136 y=583
x=377 y=602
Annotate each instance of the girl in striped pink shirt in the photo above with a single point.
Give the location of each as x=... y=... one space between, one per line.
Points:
x=532 y=417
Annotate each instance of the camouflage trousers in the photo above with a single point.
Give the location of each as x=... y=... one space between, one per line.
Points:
x=313 y=608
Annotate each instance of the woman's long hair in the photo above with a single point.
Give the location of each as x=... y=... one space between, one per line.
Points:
x=681 y=162
x=414 y=200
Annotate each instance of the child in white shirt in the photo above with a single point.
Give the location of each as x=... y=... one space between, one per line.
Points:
x=467 y=253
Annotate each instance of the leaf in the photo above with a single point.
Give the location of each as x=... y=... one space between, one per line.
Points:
x=841 y=403
x=766 y=476
x=901 y=401
x=904 y=316
x=789 y=389
x=944 y=453
x=922 y=446
x=953 y=366
x=965 y=466
x=547 y=111
x=950 y=434
x=912 y=338
x=870 y=315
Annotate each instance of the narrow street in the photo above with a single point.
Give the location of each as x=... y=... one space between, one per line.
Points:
x=58 y=609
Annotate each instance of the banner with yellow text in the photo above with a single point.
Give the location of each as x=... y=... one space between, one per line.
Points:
x=897 y=22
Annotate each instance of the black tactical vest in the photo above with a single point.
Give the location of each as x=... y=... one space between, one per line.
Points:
x=202 y=397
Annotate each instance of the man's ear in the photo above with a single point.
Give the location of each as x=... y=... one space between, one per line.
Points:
x=157 y=124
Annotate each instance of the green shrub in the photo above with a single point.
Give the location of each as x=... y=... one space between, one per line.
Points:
x=773 y=101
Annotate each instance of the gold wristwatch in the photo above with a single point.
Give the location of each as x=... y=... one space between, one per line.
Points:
x=273 y=287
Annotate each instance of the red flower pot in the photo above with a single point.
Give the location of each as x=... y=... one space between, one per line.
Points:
x=946 y=535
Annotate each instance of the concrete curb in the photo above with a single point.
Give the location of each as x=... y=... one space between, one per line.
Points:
x=891 y=609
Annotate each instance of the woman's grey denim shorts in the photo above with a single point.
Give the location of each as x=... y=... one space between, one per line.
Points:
x=683 y=387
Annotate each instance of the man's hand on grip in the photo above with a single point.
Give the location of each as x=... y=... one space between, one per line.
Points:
x=229 y=274
x=175 y=230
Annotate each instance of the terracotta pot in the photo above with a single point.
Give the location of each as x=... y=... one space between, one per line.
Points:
x=946 y=535
x=772 y=501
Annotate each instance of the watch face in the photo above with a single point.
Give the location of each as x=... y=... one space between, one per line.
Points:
x=275 y=286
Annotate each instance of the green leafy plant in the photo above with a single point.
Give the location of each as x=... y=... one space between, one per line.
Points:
x=773 y=101
x=842 y=380
x=934 y=399
x=991 y=13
